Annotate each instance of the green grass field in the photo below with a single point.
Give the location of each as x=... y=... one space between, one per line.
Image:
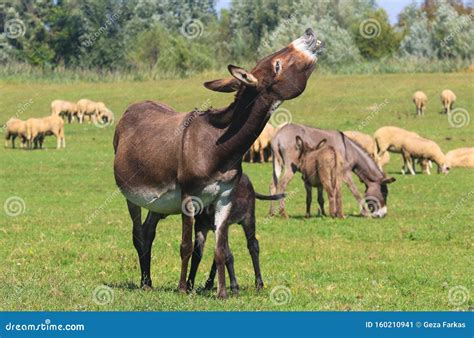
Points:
x=74 y=233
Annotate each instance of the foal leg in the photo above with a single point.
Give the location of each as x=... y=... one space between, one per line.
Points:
x=309 y=199
x=229 y=263
x=321 y=200
x=252 y=244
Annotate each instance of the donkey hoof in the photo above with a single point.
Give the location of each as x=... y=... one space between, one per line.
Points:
x=189 y=286
x=222 y=294
x=307 y=216
x=283 y=214
x=182 y=288
x=146 y=288
x=259 y=285
x=145 y=284
x=235 y=289
x=209 y=285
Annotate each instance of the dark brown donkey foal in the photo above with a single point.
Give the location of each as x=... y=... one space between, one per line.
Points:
x=165 y=160
x=243 y=213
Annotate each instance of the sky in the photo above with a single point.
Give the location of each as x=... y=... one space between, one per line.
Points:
x=392 y=7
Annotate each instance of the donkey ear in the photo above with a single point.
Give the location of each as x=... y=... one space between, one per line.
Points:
x=388 y=180
x=243 y=76
x=223 y=85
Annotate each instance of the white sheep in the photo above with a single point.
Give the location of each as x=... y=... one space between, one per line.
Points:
x=461 y=157
x=410 y=145
x=64 y=108
x=419 y=147
x=38 y=128
x=447 y=99
x=420 y=100
x=14 y=128
x=262 y=142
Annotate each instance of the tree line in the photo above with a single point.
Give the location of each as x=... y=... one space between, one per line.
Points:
x=179 y=37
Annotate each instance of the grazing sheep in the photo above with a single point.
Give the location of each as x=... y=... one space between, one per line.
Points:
x=410 y=145
x=38 y=128
x=14 y=128
x=420 y=99
x=63 y=109
x=87 y=108
x=418 y=147
x=368 y=144
x=461 y=157
x=447 y=99
x=106 y=116
x=322 y=167
x=262 y=142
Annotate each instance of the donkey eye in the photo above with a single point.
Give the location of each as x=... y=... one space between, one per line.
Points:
x=277 y=66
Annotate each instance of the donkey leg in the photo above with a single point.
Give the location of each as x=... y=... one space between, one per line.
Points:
x=138 y=238
x=321 y=201
x=212 y=275
x=309 y=199
x=276 y=173
x=199 y=241
x=186 y=247
x=287 y=176
x=355 y=192
x=252 y=244
x=223 y=208
x=229 y=263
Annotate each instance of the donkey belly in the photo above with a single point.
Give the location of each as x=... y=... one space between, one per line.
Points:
x=168 y=201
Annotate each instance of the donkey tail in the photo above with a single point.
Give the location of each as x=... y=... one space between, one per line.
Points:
x=269 y=197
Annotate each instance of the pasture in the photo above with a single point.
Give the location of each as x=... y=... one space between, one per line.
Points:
x=74 y=233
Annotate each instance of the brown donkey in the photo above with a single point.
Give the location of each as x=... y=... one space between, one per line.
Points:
x=322 y=167
x=175 y=163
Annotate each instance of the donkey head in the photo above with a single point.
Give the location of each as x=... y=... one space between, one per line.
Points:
x=376 y=195
x=281 y=75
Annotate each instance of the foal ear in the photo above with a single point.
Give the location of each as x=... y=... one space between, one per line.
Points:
x=223 y=85
x=299 y=144
x=321 y=144
x=243 y=76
